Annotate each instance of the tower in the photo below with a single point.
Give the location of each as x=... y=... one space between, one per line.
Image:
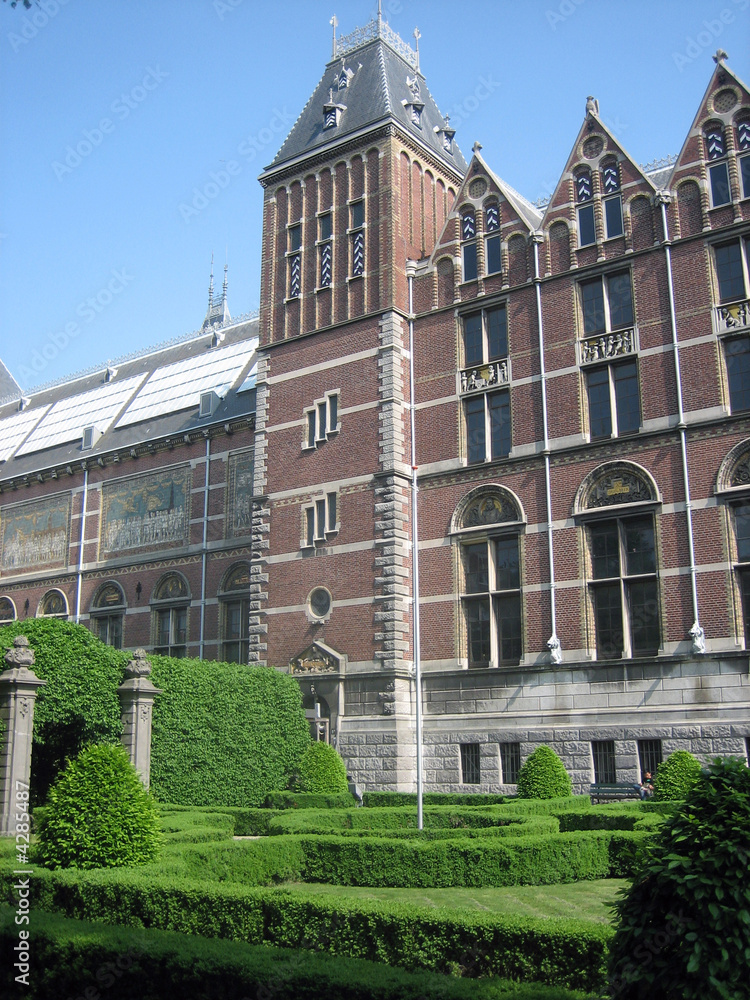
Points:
x=363 y=183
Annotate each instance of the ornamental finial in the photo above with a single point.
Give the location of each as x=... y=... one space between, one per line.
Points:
x=417 y=36
x=334 y=21
x=720 y=56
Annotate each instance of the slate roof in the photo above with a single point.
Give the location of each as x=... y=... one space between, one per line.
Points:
x=8 y=385
x=238 y=401
x=375 y=94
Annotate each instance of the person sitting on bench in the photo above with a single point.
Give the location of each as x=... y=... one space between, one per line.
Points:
x=646 y=787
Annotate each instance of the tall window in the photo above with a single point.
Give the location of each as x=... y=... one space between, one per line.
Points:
x=325 y=250
x=492 y=255
x=169 y=609
x=606 y=303
x=649 y=755
x=510 y=762
x=613 y=398
x=294 y=243
x=743 y=163
x=322 y=420
x=469 y=244
x=492 y=601
x=470 y=764
x=320 y=520
x=624 y=587
x=234 y=605
x=357 y=236
x=718 y=169
x=7 y=610
x=488 y=431
x=603 y=754
x=584 y=197
x=486 y=408
x=612 y=199
x=485 y=336
x=742 y=540
x=108 y=615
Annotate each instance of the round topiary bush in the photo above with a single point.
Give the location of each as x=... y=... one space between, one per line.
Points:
x=98 y=814
x=683 y=928
x=321 y=770
x=676 y=775
x=543 y=776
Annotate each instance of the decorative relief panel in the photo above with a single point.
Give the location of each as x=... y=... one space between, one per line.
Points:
x=316 y=659
x=607 y=345
x=478 y=377
x=741 y=472
x=487 y=507
x=239 y=517
x=617 y=485
x=35 y=534
x=146 y=513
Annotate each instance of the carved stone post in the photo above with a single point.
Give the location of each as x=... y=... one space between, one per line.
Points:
x=137 y=695
x=19 y=687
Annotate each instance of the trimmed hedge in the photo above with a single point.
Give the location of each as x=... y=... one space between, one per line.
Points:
x=223 y=733
x=676 y=775
x=569 y=953
x=88 y=959
x=320 y=771
x=412 y=863
x=309 y=800
x=387 y=799
x=543 y=776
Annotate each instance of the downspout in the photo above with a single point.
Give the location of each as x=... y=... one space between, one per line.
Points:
x=79 y=581
x=696 y=632
x=553 y=643
x=415 y=554
x=204 y=552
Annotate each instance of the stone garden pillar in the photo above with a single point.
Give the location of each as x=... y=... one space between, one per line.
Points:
x=19 y=687
x=137 y=695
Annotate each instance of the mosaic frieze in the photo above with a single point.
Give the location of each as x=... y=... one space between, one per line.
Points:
x=240 y=496
x=35 y=534
x=146 y=513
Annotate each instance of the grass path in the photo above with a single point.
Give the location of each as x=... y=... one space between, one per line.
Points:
x=580 y=900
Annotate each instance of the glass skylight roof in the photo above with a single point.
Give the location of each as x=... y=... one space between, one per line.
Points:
x=67 y=417
x=13 y=429
x=178 y=386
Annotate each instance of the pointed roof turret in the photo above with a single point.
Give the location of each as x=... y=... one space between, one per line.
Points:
x=373 y=78
x=217 y=313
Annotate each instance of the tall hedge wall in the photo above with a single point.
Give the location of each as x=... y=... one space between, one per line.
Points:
x=223 y=733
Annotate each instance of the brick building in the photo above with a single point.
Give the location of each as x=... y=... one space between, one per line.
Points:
x=581 y=391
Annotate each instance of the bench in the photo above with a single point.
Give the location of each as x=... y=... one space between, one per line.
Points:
x=609 y=792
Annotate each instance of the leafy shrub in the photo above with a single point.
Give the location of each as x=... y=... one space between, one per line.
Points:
x=78 y=704
x=543 y=776
x=223 y=733
x=676 y=775
x=568 y=953
x=129 y=964
x=321 y=770
x=309 y=800
x=99 y=815
x=388 y=799
x=684 y=924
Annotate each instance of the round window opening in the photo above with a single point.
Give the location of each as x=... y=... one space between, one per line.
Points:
x=320 y=602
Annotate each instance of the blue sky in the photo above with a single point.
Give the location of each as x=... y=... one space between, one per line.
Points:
x=119 y=117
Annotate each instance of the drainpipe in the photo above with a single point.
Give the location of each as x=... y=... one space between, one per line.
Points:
x=204 y=553
x=79 y=581
x=663 y=198
x=553 y=643
x=415 y=553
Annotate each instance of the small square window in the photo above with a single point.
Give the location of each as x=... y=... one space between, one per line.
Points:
x=470 y=768
x=510 y=762
x=586 y=228
x=325 y=226
x=357 y=214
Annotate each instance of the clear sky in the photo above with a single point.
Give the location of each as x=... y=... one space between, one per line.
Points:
x=120 y=120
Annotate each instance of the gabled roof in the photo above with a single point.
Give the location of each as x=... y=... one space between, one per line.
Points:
x=8 y=385
x=382 y=78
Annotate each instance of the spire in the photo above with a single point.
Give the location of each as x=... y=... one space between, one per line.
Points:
x=334 y=21
x=211 y=286
x=417 y=36
x=217 y=313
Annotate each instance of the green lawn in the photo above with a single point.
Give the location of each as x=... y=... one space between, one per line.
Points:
x=580 y=900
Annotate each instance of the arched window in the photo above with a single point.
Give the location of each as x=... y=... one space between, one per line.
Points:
x=486 y=528
x=742 y=141
x=469 y=244
x=559 y=248
x=108 y=614
x=612 y=200
x=234 y=609
x=492 y=255
x=169 y=611
x=689 y=208
x=615 y=505
x=733 y=487
x=7 y=610
x=54 y=604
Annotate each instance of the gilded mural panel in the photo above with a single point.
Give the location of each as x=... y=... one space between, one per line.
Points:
x=239 y=518
x=149 y=512
x=35 y=534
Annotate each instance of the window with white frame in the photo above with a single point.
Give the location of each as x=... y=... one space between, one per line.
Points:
x=320 y=519
x=492 y=252
x=718 y=167
x=585 y=199
x=469 y=244
x=322 y=420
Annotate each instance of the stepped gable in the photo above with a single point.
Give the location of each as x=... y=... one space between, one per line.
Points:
x=373 y=79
